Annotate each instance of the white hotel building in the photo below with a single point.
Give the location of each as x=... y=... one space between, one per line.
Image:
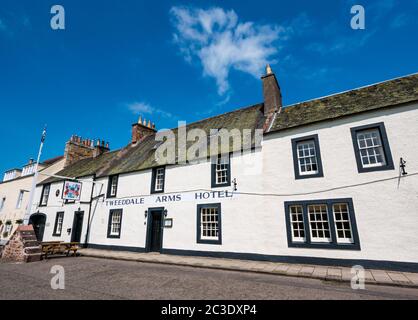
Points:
x=325 y=186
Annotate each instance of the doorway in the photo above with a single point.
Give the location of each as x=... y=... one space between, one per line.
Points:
x=77 y=226
x=155 y=230
x=38 y=221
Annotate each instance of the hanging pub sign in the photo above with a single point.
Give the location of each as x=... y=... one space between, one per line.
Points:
x=72 y=190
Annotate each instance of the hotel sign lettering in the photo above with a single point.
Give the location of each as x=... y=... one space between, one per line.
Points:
x=170 y=198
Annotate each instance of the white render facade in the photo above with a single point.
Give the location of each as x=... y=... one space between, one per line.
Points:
x=14 y=194
x=343 y=212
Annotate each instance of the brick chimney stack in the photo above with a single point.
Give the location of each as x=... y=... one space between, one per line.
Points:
x=272 y=96
x=142 y=129
x=77 y=149
x=100 y=148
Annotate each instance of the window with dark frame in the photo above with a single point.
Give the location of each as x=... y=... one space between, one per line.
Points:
x=322 y=224
x=209 y=228
x=307 y=157
x=45 y=195
x=3 y=201
x=112 y=188
x=371 y=147
x=297 y=223
x=20 y=199
x=115 y=224
x=221 y=171
x=158 y=180
x=59 y=220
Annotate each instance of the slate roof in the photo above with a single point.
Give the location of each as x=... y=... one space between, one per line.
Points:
x=142 y=156
x=385 y=94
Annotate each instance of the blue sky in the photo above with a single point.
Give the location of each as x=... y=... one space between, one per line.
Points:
x=181 y=60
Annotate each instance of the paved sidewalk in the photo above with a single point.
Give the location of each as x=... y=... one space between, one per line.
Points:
x=341 y=274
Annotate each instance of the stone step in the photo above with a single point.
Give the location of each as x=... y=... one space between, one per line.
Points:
x=26 y=232
x=34 y=257
x=32 y=238
x=32 y=250
x=31 y=243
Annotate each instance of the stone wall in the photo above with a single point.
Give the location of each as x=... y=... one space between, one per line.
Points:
x=22 y=246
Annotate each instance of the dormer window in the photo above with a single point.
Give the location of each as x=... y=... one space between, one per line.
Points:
x=29 y=169
x=113 y=186
x=12 y=174
x=45 y=195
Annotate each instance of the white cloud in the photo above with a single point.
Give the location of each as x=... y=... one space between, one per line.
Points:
x=222 y=43
x=145 y=108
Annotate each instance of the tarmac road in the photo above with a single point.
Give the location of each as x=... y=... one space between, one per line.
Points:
x=92 y=278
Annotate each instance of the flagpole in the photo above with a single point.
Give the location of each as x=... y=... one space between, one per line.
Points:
x=34 y=181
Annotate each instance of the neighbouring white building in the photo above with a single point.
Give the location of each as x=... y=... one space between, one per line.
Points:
x=15 y=189
x=334 y=181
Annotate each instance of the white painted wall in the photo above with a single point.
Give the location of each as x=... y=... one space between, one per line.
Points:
x=386 y=214
x=11 y=189
x=56 y=204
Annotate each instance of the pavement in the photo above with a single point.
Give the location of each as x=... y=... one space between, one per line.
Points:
x=104 y=279
x=328 y=273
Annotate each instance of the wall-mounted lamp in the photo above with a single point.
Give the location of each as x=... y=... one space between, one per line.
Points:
x=165 y=213
x=146 y=214
x=235 y=184
x=402 y=167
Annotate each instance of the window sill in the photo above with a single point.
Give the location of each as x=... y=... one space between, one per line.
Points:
x=214 y=186
x=113 y=237
x=215 y=242
x=309 y=176
x=328 y=246
x=376 y=169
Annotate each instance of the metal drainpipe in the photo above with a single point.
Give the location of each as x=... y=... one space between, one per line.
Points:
x=90 y=205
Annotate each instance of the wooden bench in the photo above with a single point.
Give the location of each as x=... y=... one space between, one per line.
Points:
x=53 y=248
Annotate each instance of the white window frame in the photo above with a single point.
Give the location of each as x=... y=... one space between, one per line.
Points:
x=8 y=229
x=348 y=220
x=298 y=214
x=115 y=223
x=45 y=195
x=59 y=223
x=20 y=199
x=159 y=179
x=209 y=225
x=319 y=239
x=114 y=186
x=370 y=150
x=308 y=146
x=222 y=169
